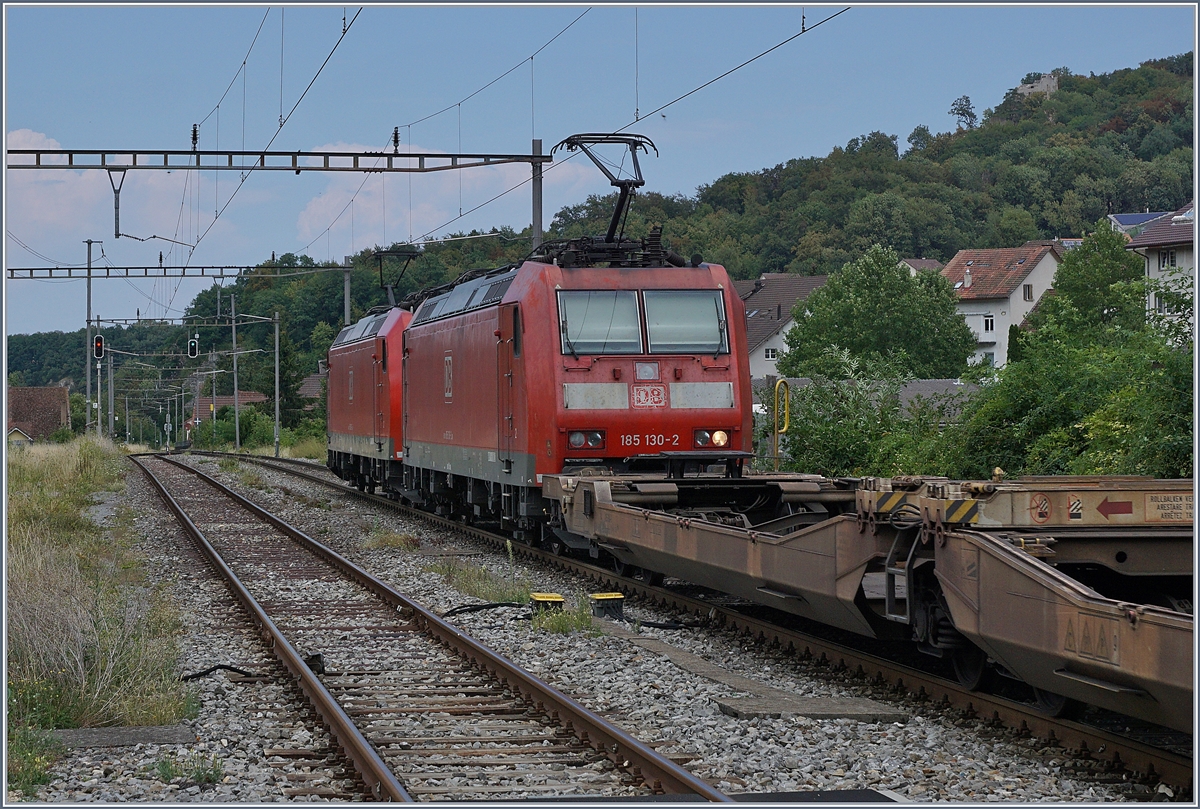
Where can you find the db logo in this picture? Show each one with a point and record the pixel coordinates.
(649, 396)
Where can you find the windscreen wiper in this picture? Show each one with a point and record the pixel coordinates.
(567, 339)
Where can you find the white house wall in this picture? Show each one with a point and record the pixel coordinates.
(1184, 257)
(760, 366)
(1005, 311)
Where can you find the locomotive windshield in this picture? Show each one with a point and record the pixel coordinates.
(599, 322)
(685, 321)
(677, 321)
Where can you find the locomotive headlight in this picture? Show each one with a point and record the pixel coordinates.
(576, 439)
(595, 439)
(720, 438)
(646, 370)
(703, 438)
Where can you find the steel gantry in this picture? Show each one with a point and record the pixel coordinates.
(118, 161)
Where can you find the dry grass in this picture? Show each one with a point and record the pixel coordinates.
(254, 480)
(310, 447)
(564, 621)
(314, 448)
(480, 582)
(381, 538)
(90, 641)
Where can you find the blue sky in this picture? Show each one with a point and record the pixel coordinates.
(135, 77)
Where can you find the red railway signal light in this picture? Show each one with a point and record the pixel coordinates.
(98, 347)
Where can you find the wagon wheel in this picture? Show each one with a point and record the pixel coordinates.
(1057, 705)
(556, 546)
(621, 568)
(648, 577)
(971, 668)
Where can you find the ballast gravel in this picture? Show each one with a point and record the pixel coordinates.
(934, 756)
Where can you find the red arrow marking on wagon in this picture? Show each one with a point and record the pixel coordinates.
(1115, 507)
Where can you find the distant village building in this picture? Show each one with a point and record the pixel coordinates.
(39, 412)
(310, 387)
(929, 390)
(916, 265)
(16, 436)
(205, 408)
(1047, 84)
(1167, 244)
(769, 302)
(997, 288)
(1131, 224)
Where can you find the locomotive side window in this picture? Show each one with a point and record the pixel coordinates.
(599, 322)
(686, 321)
(516, 332)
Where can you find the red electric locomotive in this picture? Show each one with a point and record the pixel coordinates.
(608, 353)
(363, 388)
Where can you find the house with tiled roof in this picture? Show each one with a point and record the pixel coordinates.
(311, 388)
(769, 302)
(17, 437)
(1131, 224)
(204, 406)
(39, 412)
(916, 265)
(997, 288)
(1166, 244)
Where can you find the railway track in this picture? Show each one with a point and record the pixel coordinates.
(1112, 752)
(419, 710)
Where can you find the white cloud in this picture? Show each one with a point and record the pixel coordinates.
(28, 139)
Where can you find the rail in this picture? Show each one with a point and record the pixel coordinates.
(656, 770)
(1116, 750)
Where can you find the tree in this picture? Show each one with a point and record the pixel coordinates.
(964, 111)
(1097, 285)
(878, 312)
(920, 138)
(1095, 388)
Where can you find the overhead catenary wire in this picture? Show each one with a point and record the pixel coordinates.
(282, 123)
(457, 105)
(409, 132)
(235, 75)
(553, 166)
(449, 107)
(29, 249)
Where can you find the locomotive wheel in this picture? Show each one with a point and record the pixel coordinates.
(971, 668)
(1057, 705)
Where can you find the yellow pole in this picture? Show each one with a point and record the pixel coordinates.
(787, 417)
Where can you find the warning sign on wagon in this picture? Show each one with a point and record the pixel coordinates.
(1169, 507)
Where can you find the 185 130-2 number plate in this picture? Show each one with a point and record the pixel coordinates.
(649, 440)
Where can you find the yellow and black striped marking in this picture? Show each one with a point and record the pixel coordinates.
(957, 511)
(890, 501)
